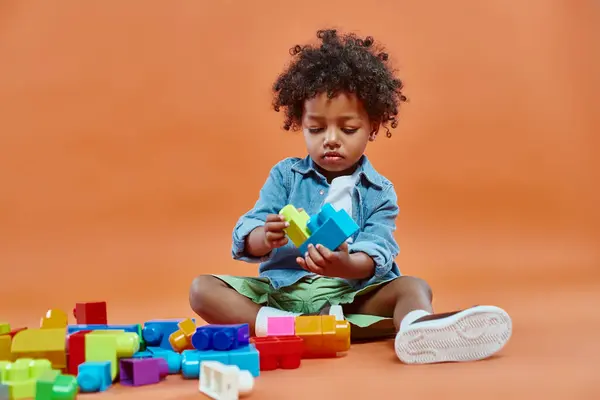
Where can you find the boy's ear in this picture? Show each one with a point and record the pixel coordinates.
(374, 131)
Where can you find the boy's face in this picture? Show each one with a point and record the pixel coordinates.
(336, 132)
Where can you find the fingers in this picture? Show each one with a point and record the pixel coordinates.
(312, 267)
(343, 247)
(315, 256)
(327, 254)
(274, 235)
(275, 223)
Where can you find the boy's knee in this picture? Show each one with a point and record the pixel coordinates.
(411, 286)
(202, 290)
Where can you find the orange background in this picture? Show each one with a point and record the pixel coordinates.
(134, 134)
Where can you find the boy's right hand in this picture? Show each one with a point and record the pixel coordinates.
(274, 235)
(268, 237)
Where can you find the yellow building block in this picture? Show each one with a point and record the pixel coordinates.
(5, 353)
(54, 319)
(111, 345)
(4, 328)
(309, 328)
(182, 339)
(47, 343)
(336, 334)
(298, 231)
(323, 336)
(21, 376)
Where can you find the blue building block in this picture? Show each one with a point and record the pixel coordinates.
(4, 392)
(329, 228)
(246, 358)
(94, 376)
(191, 359)
(172, 358)
(143, 354)
(221, 337)
(156, 333)
(135, 328)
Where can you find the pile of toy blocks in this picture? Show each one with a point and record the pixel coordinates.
(58, 360)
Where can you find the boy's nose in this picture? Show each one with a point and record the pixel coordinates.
(331, 139)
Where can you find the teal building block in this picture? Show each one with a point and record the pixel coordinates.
(246, 358)
(191, 359)
(329, 228)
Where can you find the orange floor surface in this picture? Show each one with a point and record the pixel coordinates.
(134, 134)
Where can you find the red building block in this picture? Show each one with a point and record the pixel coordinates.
(76, 348)
(283, 352)
(90, 313)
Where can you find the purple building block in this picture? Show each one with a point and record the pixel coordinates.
(221, 337)
(142, 371)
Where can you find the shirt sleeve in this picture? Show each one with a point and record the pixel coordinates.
(272, 198)
(377, 237)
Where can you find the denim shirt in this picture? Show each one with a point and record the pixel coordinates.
(295, 181)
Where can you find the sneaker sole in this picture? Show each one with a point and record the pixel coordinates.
(469, 335)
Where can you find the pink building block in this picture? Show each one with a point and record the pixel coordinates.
(281, 326)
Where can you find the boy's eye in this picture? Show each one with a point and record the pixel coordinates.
(315, 130)
(350, 130)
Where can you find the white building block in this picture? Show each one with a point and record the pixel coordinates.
(224, 382)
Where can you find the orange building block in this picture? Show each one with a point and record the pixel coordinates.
(47, 343)
(182, 339)
(323, 336)
(54, 319)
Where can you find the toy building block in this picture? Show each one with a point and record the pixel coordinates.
(156, 333)
(21, 376)
(143, 354)
(134, 328)
(297, 232)
(172, 358)
(45, 384)
(54, 319)
(281, 326)
(329, 228)
(224, 382)
(94, 376)
(246, 358)
(53, 385)
(191, 359)
(181, 339)
(5, 344)
(110, 346)
(143, 371)
(76, 346)
(15, 331)
(323, 335)
(93, 313)
(283, 352)
(4, 328)
(47, 343)
(4, 392)
(221, 337)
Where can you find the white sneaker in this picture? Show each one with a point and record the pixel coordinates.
(467, 335)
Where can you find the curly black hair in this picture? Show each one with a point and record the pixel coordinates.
(342, 63)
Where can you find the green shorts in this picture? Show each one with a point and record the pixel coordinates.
(310, 295)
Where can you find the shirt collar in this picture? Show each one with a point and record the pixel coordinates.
(365, 169)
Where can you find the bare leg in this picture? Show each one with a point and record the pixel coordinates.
(396, 299)
(217, 303)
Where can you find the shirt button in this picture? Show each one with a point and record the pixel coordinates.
(321, 192)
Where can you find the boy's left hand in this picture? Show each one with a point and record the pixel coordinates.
(322, 261)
